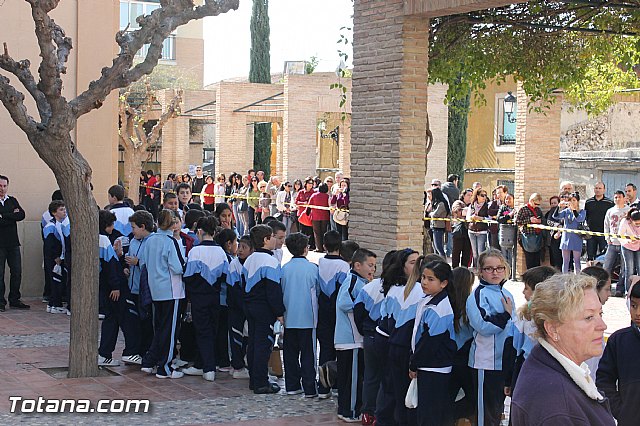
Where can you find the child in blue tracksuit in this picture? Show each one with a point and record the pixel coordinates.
(300, 287)
(237, 317)
(206, 271)
(228, 240)
(142, 226)
(348, 340)
(164, 264)
(57, 254)
(397, 321)
(490, 310)
(122, 210)
(120, 313)
(261, 274)
(333, 270)
(433, 345)
(367, 314)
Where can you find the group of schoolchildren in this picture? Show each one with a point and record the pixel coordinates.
(420, 320)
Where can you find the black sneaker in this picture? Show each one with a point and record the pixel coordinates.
(19, 305)
(2, 308)
(271, 388)
(327, 374)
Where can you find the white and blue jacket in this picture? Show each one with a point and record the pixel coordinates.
(111, 275)
(332, 270)
(261, 275)
(523, 336)
(300, 291)
(492, 346)
(57, 240)
(367, 307)
(399, 314)
(136, 250)
(123, 212)
(206, 271)
(433, 343)
(347, 335)
(163, 265)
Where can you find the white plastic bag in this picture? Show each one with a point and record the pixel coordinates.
(411, 400)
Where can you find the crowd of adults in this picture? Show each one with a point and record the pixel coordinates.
(488, 218)
(311, 206)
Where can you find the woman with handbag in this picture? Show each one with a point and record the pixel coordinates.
(320, 215)
(530, 238)
(461, 251)
(440, 210)
(284, 205)
(571, 243)
(478, 231)
(341, 216)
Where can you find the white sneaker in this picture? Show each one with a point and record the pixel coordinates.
(107, 362)
(178, 363)
(351, 419)
(295, 392)
(55, 310)
(241, 374)
(48, 309)
(192, 371)
(68, 312)
(324, 395)
(225, 369)
(175, 374)
(132, 359)
(209, 376)
(100, 316)
(149, 370)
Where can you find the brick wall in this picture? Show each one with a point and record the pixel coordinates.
(388, 125)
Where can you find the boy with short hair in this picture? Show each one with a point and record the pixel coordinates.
(116, 309)
(122, 211)
(332, 272)
(347, 249)
(261, 276)
(348, 340)
(170, 202)
(618, 375)
(184, 195)
(191, 219)
(300, 287)
(57, 252)
(237, 318)
(279, 233)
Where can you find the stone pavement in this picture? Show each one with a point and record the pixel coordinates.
(34, 340)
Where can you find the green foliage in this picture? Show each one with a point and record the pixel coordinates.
(311, 65)
(584, 48)
(457, 143)
(260, 65)
(260, 72)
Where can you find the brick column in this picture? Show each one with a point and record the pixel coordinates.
(388, 125)
(537, 155)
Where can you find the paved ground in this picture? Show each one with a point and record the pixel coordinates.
(33, 340)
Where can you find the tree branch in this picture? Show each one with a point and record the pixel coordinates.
(23, 73)
(173, 110)
(154, 28)
(13, 101)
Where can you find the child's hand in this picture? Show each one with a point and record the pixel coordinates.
(126, 272)
(281, 319)
(117, 246)
(131, 260)
(508, 305)
(413, 374)
(57, 260)
(114, 295)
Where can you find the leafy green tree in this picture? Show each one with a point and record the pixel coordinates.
(457, 141)
(260, 72)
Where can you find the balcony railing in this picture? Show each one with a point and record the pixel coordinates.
(168, 49)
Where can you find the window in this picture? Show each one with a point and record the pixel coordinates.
(130, 10)
(509, 184)
(506, 127)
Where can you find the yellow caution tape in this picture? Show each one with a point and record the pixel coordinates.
(448, 219)
(582, 232)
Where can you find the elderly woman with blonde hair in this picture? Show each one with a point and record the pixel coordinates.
(554, 386)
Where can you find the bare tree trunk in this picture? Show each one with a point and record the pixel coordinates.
(133, 159)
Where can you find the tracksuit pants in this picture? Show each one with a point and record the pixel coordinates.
(434, 405)
(462, 378)
(325, 333)
(399, 369)
(350, 374)
(374, 359)
(489, 388)
(166, 321)
(260, 344)
(120, 315)
(300, 360)
(385, 401)
(236, 318)
(222, 337)
(204, 313)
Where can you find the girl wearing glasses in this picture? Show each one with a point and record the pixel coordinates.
(478, 210)
(490, 309)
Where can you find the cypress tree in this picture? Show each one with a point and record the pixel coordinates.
(457, 142)
(260, 72)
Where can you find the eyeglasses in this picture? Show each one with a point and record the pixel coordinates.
(289, 186)
(489, 269)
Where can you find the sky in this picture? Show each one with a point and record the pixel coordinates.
(300, 29)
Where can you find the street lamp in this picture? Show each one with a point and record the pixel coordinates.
(510, 103)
